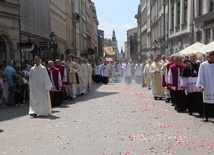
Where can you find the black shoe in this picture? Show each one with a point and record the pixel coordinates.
(70, 98)
(190, 113)
(160, 98)
(33, 115)
(200, 114)
(167, 100)
(155, 98)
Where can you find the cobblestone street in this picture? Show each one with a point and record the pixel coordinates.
(111, 119)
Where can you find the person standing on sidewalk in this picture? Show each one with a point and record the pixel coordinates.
(19, 85)
(40, 85)
(9, 71)
(204, 83)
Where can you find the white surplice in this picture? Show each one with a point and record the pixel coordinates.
(117, 69)
(205, 80)
(40, 85)
(138, 69)
(105, 70)
(97, 70)
(127, 69)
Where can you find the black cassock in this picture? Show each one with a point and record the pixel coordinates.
(194, 99)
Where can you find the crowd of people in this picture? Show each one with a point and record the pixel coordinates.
(47, 85)
(185, 82)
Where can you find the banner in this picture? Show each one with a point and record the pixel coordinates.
(109, 50)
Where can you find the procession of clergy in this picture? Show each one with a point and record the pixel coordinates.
(185, 82)
(50, 85)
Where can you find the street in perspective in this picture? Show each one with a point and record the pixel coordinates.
(106, 77)
(111, 119)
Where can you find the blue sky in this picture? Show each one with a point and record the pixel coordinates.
(116, 15)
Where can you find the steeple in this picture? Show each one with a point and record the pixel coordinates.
(114, 36)
(121, 50)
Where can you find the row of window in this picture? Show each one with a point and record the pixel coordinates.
(178, 3)
(185, 7)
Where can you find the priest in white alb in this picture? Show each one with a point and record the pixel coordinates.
(127, 72)
(40, 85)
(138, 72)
(205, 84)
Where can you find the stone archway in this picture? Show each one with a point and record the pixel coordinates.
(5, 49)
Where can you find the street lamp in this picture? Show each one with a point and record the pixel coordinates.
(53, 45)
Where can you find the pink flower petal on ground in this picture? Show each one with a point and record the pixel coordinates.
(127, 153)
(132, 138)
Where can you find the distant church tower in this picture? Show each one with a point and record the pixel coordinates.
(121, 51)
(114, 45)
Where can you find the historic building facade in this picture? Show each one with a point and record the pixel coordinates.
(9, 30)
(132, 44)
(59, 28)
(203, 21)
(100, 43)
(58, 23)
(172, 25)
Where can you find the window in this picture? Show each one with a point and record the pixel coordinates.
(200, 7)
(199, 36)
(173, 14)
(179, 12)
(208, 36)
(160, 4)
(211, 5)
(185, 11)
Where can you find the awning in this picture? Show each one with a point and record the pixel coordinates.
(208, 48)
(194, 48)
